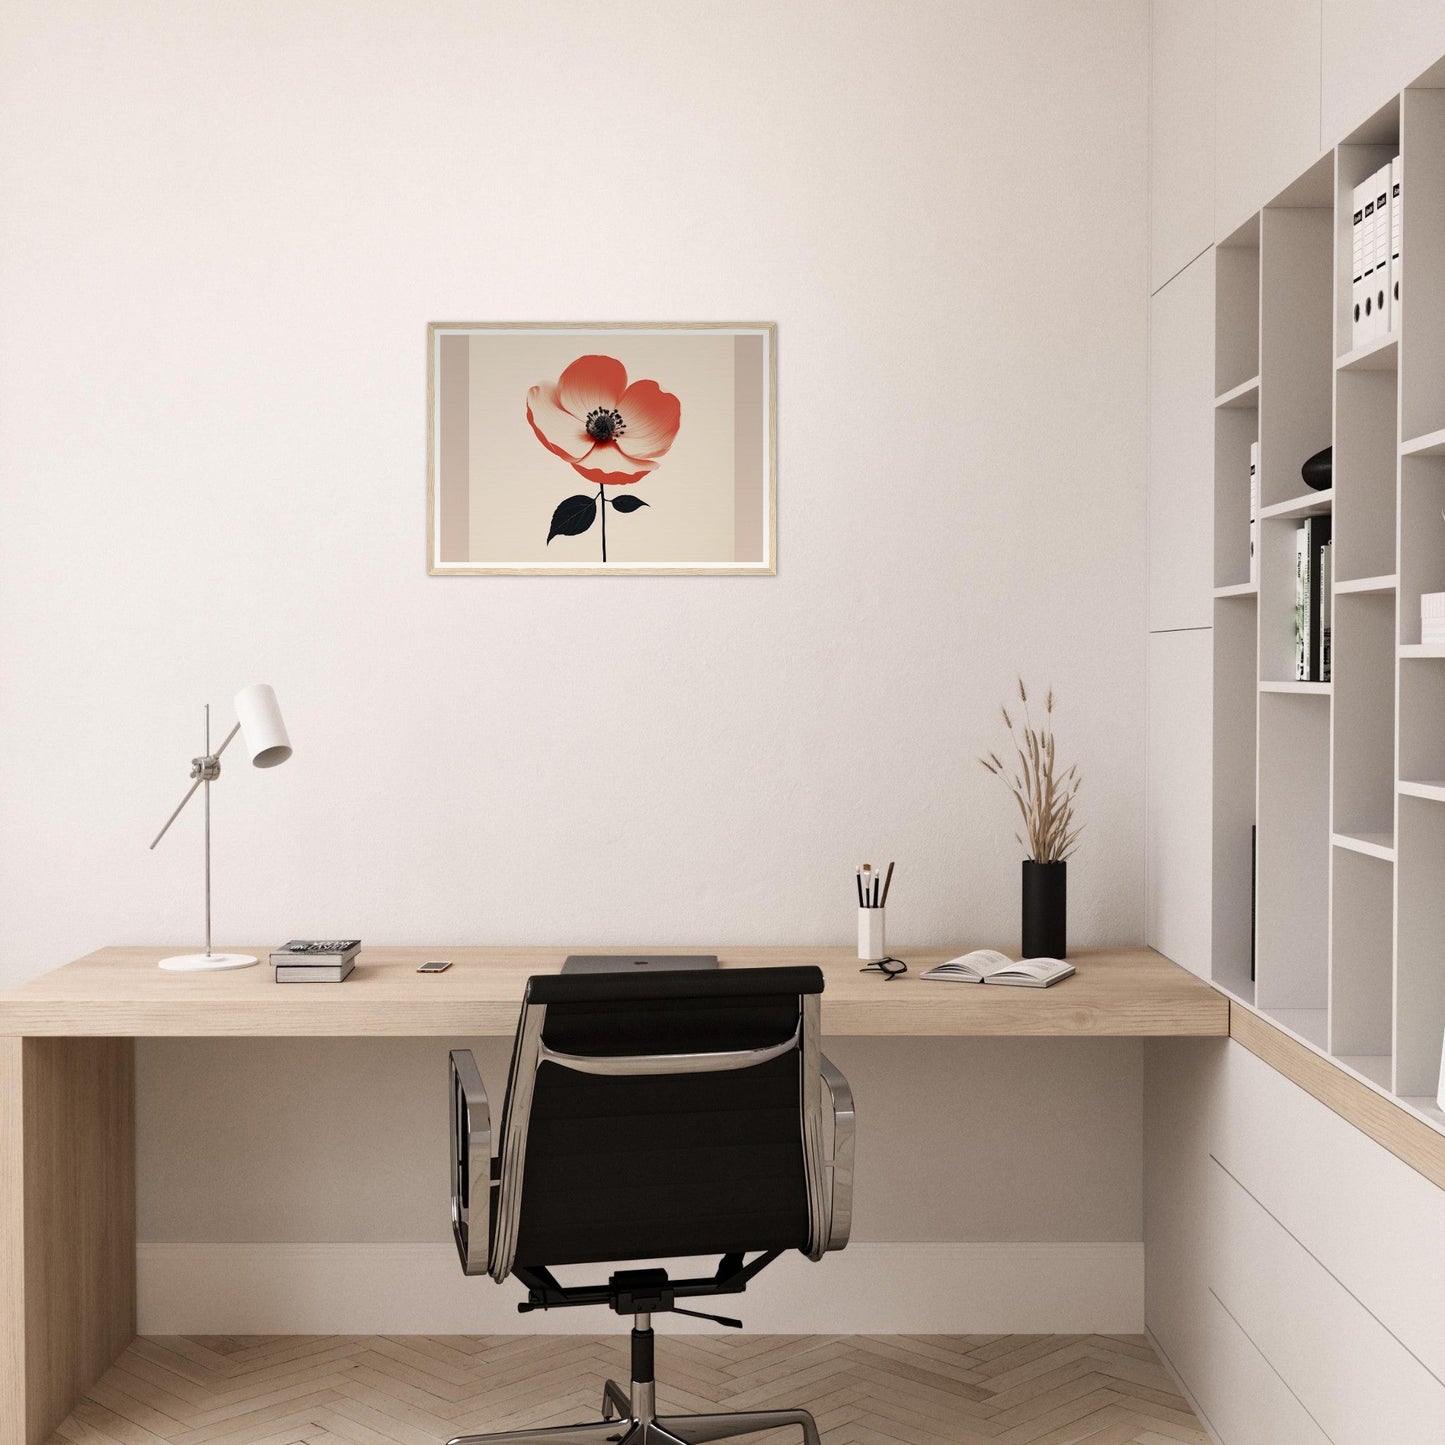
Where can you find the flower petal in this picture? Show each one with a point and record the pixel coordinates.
(608, 467)
(590, 382)
(652, 416)
(558, 430)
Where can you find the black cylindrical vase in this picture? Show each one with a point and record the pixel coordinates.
(1046, 909)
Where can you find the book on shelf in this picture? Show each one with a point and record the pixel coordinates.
(1301, 605)
(1326, 606)
(988, 965)
(1254, 513)
(1432, 617)
(316, 952)
(1310, 609)
(314, 972)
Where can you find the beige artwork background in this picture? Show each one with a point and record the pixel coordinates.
(515, 483)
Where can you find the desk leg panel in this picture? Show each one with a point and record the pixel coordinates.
(67, 1211)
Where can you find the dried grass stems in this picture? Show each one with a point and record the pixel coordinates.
(1044, 795)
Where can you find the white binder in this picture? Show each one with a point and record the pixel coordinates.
(1254, 513)
(1367, 314)
(1396, 224)
(1381, 291)
(1357, 266)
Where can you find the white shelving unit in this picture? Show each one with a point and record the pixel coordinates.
(1335, 789)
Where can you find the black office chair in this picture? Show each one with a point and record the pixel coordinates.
(650, 1117)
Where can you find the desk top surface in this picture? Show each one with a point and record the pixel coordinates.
(1117, 992)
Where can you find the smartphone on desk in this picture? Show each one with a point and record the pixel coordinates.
(435, 965)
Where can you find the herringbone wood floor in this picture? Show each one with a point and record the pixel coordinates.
(420, 1390)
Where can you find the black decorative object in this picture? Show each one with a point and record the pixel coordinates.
(1046, 908)
(1319, 471)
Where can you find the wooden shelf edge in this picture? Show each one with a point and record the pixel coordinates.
(1391, 1124)
(1238, 589)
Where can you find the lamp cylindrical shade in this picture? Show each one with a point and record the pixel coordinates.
(262, 730)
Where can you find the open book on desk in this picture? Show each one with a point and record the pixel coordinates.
(987, 965)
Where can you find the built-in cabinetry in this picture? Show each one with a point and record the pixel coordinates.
(1328, 804)
(1295, 1278)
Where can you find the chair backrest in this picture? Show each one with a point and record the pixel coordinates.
(669, 1114)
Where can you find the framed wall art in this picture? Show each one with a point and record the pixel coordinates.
(601, 447)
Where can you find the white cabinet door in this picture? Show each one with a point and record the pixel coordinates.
(1178, 813)
(1181, 450)
(1371, 49)
(1181, 135)
(1266, 102)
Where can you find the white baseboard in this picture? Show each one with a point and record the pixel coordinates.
(350, 1289)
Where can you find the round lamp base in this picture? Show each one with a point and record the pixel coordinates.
(206, 962)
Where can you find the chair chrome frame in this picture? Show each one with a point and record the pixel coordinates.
(486, 1211)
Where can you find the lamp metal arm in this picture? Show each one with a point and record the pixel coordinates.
(204, 770)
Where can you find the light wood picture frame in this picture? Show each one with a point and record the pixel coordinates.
(593, 448)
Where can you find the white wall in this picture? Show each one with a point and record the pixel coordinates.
(226, 230)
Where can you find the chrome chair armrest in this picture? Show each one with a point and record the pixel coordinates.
(840, 1165)
(471, 1120)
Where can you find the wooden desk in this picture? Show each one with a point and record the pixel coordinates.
(67, 1185)
(119, 992)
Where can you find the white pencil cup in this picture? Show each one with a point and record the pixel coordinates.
(871, 945)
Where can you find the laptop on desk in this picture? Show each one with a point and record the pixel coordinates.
(637, 962)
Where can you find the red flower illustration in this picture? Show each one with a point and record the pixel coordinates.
(612, 433)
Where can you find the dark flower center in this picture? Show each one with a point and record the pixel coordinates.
(604, 424)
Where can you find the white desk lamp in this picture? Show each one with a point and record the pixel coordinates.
(258, 720)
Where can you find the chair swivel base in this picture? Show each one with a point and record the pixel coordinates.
(629, 1420)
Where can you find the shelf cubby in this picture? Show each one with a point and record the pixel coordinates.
(1422, 537)
(1373, 145)
(1292, 943)
(1296, 331)
(1422, 724)
(1236, 301)
(1363, 686)
(1236, 625)
(1276, 601)
(1235, 430)
(1365, 461)
(1362, 956)
(1422, 251)
(1420, 960)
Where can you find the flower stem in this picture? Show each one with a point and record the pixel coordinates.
(602, 502)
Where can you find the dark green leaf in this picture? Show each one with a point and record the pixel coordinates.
(573, 516)
(627, 502)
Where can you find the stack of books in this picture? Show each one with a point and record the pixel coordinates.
(315, 960)
(1432, 618)
(1313, 592)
